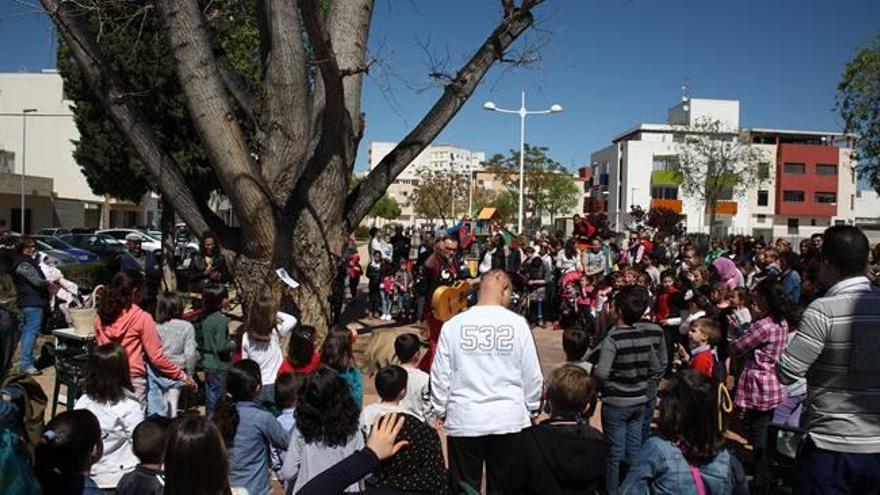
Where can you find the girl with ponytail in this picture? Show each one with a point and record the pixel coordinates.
(687, 455)
(70, 445)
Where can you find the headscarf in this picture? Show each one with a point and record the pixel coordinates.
(727, 270)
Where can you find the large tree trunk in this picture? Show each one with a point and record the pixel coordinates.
(289, 191)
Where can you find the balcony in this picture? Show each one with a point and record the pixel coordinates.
(724, 208)
(666, 178)
(669, 204)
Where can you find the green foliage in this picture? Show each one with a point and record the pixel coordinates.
(507, 205)
(88, 275)
(386, 208)
(134, 45)
(713, 159)
(439, 191)
(561, 194)
(539, 169)
(858, 101)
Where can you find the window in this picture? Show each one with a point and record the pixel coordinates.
(795, 168)
(792, 226)
(764, 170)
(763, 198)
(660, 192)
(852, 201)
(762, 218)
(793, 196)
(664, 162)
(840, 222)
(726, 194)
(826, 198)
(823, 169)
(852, 174)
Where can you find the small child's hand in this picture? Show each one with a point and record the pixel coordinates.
(681, 351)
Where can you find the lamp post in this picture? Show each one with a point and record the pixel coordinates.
(24, 114)
(522, 112)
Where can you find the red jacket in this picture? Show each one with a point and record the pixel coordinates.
(287, 366)
(135, 330)
(704, 363)
(661, 308)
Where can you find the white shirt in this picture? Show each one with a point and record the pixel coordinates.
(486, 377)
(371, 413)
(267, 353)
(416, 401)
(117, 422)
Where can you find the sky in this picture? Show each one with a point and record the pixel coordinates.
(611, 64)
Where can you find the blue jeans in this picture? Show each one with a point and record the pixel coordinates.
(215, 382)
(818, 471)
(539, 309)
(386, 302)
(156, 386)
(649, 410)
(404, 303)
(33, 322)
(622, 427)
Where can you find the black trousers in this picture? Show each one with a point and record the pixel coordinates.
(467, 455)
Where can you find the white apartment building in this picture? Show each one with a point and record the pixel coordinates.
(434, 157)
(809, 177)
(37, 101)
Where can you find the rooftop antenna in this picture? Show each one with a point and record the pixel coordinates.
(686, 93)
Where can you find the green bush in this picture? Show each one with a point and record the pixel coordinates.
(88, 275)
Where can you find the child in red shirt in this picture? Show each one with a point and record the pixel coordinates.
(703, 335)
(663, 308)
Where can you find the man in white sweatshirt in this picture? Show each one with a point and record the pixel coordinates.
(485, 386)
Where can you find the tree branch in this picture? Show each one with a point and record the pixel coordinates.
(214, 119)
(236, 86)
(454, 96)
(131, 123)
(286, 96)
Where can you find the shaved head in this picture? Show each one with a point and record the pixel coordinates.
(495, 288)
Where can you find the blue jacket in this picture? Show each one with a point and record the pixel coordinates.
(352, 377)
(249, 450)
(661, 469)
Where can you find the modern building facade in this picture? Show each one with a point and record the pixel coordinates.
(808, 177)
(36, 102)
(434, 157)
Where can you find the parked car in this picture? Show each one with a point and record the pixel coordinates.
(83, 230)
(81, 255)
(53, 232)
(105, 247)
(55, 257)
(147, 243)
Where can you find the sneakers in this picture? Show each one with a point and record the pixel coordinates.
(32, 372)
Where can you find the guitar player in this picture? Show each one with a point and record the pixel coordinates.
(440, 269)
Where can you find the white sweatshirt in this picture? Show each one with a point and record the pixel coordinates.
(267, 353)
(486, 377)
(117, 425)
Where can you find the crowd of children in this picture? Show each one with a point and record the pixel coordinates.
(662, 333)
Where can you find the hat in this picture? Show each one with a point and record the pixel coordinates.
(133, 237)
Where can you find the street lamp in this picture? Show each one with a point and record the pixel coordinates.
(24, 114)
(522, 112)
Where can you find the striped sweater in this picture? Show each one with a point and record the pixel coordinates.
(631, 361)
(836, 347)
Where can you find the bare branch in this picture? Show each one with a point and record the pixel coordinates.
(454, 96)
(131, 123)
(214, 119)
(509, 8)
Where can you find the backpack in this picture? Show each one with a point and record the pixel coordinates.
(33, 409)
(719, 371)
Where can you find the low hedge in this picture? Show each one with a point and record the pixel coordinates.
(88, 275)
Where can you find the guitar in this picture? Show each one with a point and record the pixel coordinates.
(449, 300)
